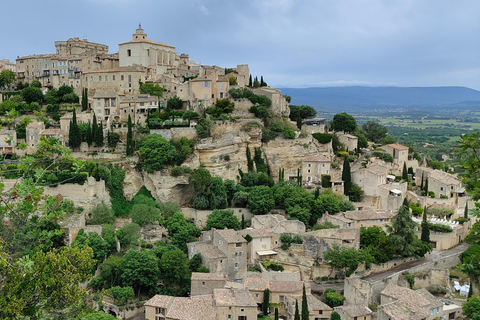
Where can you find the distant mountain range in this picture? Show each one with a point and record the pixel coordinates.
(353, 98)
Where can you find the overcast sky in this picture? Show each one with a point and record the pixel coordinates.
(292, 43)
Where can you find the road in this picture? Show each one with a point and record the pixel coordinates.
(383, 275)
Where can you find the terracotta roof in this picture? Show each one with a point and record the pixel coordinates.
(287, 286)
(51, 132)
(377, 169)
(230, 235)
(397, 146)
(400, 310)
(256, 284)
(411, 297)
(368, 214)
(256, 233)
(233, 297)
(209, 251)
(316, 158)
(105, 94)
(199, 276)
(160, 301)
(313, 303)
(35, 124)
(147, 41)
(355, 310)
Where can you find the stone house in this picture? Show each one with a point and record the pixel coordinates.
(317, 309)
(6, 64)
(359, 218)
(441, 183)
(234, 303)
(445, 241)
(350, 141)
(313, 167)
(314, 125)
(123, 80)
(279, 103)
(370, 178)
(399, 303)
(8, 141)
(263, 241)
(222, 251)
(398, 152)
(204, 283)
(279, 290)
(138, 107)
(33, 131)
(354, 312)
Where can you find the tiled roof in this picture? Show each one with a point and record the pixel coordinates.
(6, 131)
(117, 69)
(355, 310)
(233, 297)
(313, 303)
(148, 41)
(316, 158)
(256, 233)
(199, 276)
(368, 214)
(160, 301)
(287, 286)
(105, 94)
(346, 135)
(209, 251)
(333, 234)
(411, 297)
(49, 132)
(397, 146)
(35, 124)
(256, 283)
(377, 169)
(400, 310)
(443, 177)
(195, 308)
(230, 235)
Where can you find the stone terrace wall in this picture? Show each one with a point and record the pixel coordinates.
(200, 216)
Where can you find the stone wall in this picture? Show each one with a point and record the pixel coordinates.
(176, 133)
(278, 224)
(200, 216)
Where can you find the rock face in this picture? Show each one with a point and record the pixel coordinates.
(288, 154)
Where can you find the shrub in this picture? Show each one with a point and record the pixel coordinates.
(333, 298)
(323, 137)
(437, 227)
(326, 225)
(461, 220)
(101, 214)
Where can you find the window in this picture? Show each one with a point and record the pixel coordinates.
(242, 317)
(281, 298)
(206, 84)
(113, 78)
(203, 283)
(308, 170)
(325, 248)
(121, 77)
(441, 188)
(99, 78)
(129, 78)
(235, 264)
(242, 310)
(229, 316)
(159, 318)
(106, 78)
(221, 85)
(309, 165)
(238, 244)
(160, 310)
(129, 53)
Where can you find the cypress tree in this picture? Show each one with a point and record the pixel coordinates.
(299, 122)
(266, 301)
(421, 185)
(426, 187)
(74, 138)
(249, 160)
(94, 128)
(346, 177)
(243, 221)
(85, 99)
(305, 312)
(405, 202)
(89, 135)
(297, 313)
(470, 290)
(276, 314)
(99, 135)
(130, 148)
(317, 193)
(404, 172)
(425, 237)
(250, 82)
(465, 212)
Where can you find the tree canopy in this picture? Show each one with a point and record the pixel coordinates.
(302, 111)
(344, 122)
(155, 153)
(374, 131)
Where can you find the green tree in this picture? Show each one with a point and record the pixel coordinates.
(195, 262)
(143, 214)
(374, 131)
(155, 153)
(7, 77)
(465, 211)
(99, 135)
(425, 237)
(250, 82)
(174, 267)
(101, 214)
(201, 179)
(260, 200)
(220, 219)
(121, 295)
(342, 258)
(259, 162)
(152, 89)
(362, 139)
(74, 138)
(32, 94)
(276, 314)
(404, 172)
(32, 286)
(97, 315)
(302, 111)
(344, 122)
(217, 194)
(470, 259)
(85, 99)
(111, 270)
(266, 302)
(471, 308)
(376, 241)
(403, 237)
(174, 103)
(129, 234)
(346, 177)
(297, 312)
(335, 316)
(305, 312)
(130, 147)
(355, 193)
(333, 298)
(140, 269)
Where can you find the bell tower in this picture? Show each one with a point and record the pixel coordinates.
(139, 34)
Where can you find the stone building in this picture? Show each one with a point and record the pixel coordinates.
(222, 251)
(398, 303)
(370, 178)
(350, 141)
(443, 184)
(204, 283)
(354, 312)
(279, 103)
(360, 218)
(155, 56)
(316, 308)
(5, 64)
(8, 141)
(261, 245)
(398, 152)
(123, 80)
(180, 308)
(313, 167)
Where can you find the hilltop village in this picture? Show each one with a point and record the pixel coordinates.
(181, 191)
